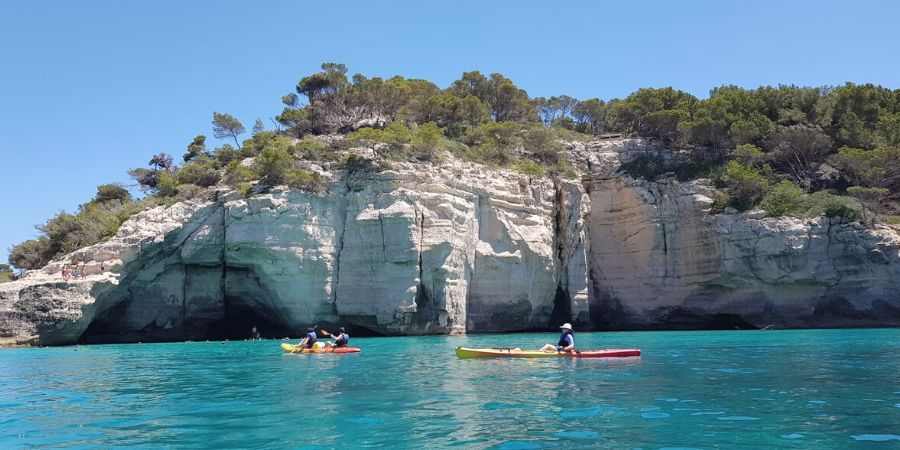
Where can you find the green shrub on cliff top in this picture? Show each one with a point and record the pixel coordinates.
(95, 221)
(394, 137)
(745, 185)
(226, 154)
(870, 200)
(167, 186)
(272, 165)
(721, 200)
(824, 203)
(6, 273)
(259, 141)
(112, 192)
(782, 199)
(202, 172)
(542, 145)
(306, 180)
(245, 189)
(529, 167)
(426, 141)
(236, 173)
(313, 149)
(32, 254)
(275, 165)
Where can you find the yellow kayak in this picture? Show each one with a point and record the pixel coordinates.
(463, 352)
(291, 348)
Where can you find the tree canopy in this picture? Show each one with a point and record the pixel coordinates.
(789, 149)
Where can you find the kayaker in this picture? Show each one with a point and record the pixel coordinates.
(566, 341)
(310, 340)
(342, 339)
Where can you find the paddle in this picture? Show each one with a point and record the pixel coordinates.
(297, 347)
(326, 333)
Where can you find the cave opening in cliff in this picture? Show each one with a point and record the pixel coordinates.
(685, 319)
(562, 308)
(242, 315)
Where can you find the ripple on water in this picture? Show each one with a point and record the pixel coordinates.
(363, 421)
(792, 436)
(590, 412)
(654, 415)
(547, 375)
(738, 418)
(708, 413)
(817, 402)
(576, 434)
(518, 445)
(876, 437)
(495, 406)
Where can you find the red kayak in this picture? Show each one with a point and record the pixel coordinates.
(463, 352)
(291, 348)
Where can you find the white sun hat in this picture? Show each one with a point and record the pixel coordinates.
(567, 326)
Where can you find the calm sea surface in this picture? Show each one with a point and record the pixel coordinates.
(731, 389)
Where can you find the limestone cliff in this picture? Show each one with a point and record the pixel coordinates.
(658, 259)
(424, 249)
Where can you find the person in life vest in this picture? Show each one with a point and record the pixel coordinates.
(342, 339)
(566, 341)
(310, 340)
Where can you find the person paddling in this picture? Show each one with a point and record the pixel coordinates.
(310, 340)
(566, 341)
(342, 339)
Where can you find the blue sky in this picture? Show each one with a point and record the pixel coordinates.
(90, 89)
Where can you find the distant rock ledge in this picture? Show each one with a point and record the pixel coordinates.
(460, 248)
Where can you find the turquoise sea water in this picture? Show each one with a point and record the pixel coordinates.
(731, 389)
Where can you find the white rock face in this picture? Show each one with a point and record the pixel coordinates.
(140, 261)
(651, 245)
(416, 250)
(421, 249)
(659, 260)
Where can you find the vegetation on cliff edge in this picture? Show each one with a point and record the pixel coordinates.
(790, 150)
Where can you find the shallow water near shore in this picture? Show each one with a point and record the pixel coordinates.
(734, 389)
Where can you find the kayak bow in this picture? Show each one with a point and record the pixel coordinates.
(463, 352)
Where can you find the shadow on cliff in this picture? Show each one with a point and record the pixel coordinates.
(176, 289)
(185, 288)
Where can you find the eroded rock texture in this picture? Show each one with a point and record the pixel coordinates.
(460, 248)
